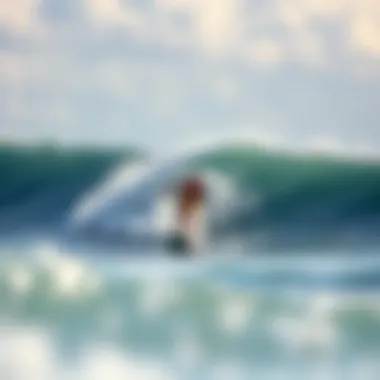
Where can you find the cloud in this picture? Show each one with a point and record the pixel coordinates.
(308, 48)
(265, 52)
(111, 13)
(21, 17)
(11, 69)
(19, 70)
(227, 88)
(358, 22)
(166, 68)
(174, 5)
(291, 14)
(224, 28)
(365, 35)
(114, 77)
(278, 31)
(215, 24)
(324, 8)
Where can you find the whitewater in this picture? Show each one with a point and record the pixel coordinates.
(289, 289)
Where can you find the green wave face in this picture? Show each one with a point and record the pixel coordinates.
(301, 197)
(39, 184)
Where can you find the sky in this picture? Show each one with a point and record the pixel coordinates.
(160, 72)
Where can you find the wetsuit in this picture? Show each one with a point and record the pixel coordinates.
(192, 196)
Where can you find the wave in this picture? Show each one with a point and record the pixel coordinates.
(307, 198)
(40, 184)
(304, 199)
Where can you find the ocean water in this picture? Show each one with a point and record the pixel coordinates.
(298, 300)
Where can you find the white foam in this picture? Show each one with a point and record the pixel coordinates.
(30, 353)
(300, 332)
(69, 277)
(159, 296)
(26, 354)
(21, 278)
(120, 180)
(235, 315)
(108, 362)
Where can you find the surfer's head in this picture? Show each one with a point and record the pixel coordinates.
(193, 188)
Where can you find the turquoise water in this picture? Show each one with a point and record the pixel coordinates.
(295, 294)
(66, 315)
(304, 200)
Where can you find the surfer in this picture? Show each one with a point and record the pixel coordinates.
(191, 199)
(190, 205)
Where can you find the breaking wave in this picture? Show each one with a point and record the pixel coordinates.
(304, 199)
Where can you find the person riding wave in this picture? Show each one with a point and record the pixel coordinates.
(191, 199)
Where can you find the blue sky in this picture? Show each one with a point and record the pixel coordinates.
(162, 72)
